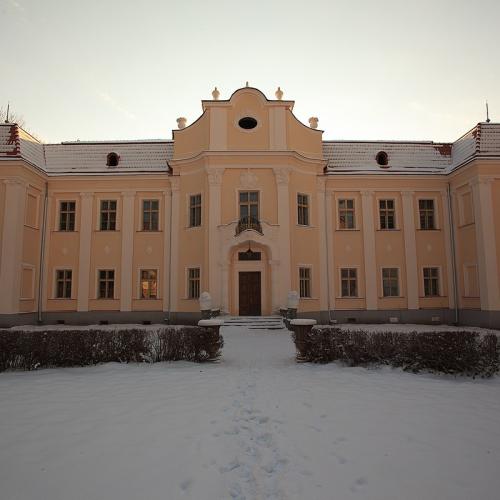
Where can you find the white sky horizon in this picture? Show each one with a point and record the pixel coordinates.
(119, 70)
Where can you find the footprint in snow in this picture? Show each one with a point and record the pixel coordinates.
(358, 483)
(186, 484)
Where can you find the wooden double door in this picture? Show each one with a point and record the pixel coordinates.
(250, 293)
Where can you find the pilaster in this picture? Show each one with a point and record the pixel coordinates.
(12, 245)
(369, 250)
(166, 248)
(448, 248)
(84, 252)
(323, 264)
(330, 254)
(127, 272)
(410, 249)
(174, 259)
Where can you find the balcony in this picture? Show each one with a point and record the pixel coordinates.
(248, 222)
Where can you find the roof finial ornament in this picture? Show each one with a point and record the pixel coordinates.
(487, 113)
(215, 94)
(279, 94)
(181, 122)
(247, 84)
(313, 122)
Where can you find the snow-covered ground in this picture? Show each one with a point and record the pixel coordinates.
(254, 426)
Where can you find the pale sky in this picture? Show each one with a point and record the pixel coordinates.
(120, 69)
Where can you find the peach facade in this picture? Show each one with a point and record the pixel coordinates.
(248, 204)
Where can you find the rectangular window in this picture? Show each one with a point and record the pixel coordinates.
(349, 282)
(387, 214)
(431, 281)
(194, 283)
(106, 284)
(195, 210)
(108, 215)
(150, 215)
(67, 215)
(63, 283)
(303, 209)
(149, 284)
(249, 206)
(305, 281)
(426, 212)
(390, 282)
(346, 214)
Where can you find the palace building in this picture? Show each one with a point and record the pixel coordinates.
(248, 204)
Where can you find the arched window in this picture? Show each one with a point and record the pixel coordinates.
(382, 159)
(112, 160)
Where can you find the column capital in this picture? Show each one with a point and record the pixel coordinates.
(175, 183)
(86, 194)
(282, 175)
(128, 194)
(321, 184)
(407, 194)
(15, 181)
(367, 193)
(481, 181)
(215, 176)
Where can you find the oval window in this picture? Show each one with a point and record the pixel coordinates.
(382, 158)
(247, 123)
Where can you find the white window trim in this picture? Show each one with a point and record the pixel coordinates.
(311, 281)
(158, 281)
(54, 282)
(58, 201)
(24, 266)
(244, 190)
(397, 212)
(97, 282)
(188, 206)
(339, 278)
(309, 208)
(161, 201)
(101, 197)
(382, 296)
(437, 224)
(186, 281)
(338, 198)
(440, 281)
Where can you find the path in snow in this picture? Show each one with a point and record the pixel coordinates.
(254, 426)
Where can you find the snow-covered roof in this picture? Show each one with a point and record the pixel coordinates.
(342, 156)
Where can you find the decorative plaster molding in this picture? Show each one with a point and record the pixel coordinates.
(215, 176)
(321, 184)
(128, 194)
(86, 194)
(175, 183)
(407, 194)
(282, 175)
(15, 182)
(248, 180)
(367, 193)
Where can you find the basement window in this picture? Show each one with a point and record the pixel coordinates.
(382, 158)
(247, 123)
(112, 160)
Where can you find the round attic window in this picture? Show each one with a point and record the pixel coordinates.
(382, 158)
(247, 123)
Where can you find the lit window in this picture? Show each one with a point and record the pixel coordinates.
(349, 285)
(194, 283)
(108, 215)
(390, 282)
(431, 281)
(63, 283)
(305, 282)
(67, 216)
(346, 214)
(150, 215)
(149, 284)
(426, 209)
(106, 284)
(387, 214)
(195, 210)
(303, 209)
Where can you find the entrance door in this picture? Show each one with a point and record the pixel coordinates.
(249, 293)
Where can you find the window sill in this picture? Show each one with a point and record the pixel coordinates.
(190, 228)
(309, 298)
(64, 231)
(350, 298)
(62, 298)
(389, 230)
(393, 297)
(432, 296)
(149, 231)
(146, 299)
(429, 230)
(348, 230)
(106, 230)
(306, 226)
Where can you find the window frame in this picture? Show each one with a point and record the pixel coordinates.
(140, 289)
(306, 209)
(142, 201)
(239, 203)
(398, 283)
(98, 284)
(56, 282)
(194, 207)
(394, 209)
(100, 201)
(60, 213)
(341, 279)
(308, 280)
(435, 213)
(189, 280)
(341, 210)
(437, 277)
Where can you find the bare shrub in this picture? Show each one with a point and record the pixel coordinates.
(453, 352)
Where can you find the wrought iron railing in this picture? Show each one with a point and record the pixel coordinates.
(248, 222)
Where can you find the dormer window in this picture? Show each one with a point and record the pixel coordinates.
(382, 158)
(112, 159)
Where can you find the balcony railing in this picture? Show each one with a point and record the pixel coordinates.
(248, 222)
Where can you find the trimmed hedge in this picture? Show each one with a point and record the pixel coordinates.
(32, 349)
(452, 352)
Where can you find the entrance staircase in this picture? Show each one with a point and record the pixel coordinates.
(256, 322)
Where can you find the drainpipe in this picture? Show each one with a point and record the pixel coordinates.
(42, 254)
(170, 259)
(453, 254)
(327, 258)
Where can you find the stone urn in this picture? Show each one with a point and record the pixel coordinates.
(205, 305)
(181, 122)
(279, 94)
(215, 94)
(301, 329)
(212, 328)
